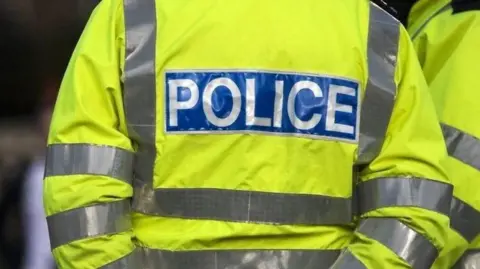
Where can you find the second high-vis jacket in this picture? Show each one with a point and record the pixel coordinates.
(209, 134)
(446, 35)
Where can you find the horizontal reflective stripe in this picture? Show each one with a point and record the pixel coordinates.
(465, 219)
(85, 159)
(346, 260)
(133, 260)
(469, 260)
(462, 146)
(409, 245)
(402, 191)
(243, 206)
(223, 259)
(95, 220)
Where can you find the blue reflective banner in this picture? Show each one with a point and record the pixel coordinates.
(278, 103)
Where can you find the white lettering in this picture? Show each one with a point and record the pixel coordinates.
(193, 107)
(297, 122)
(174, 104)
(251, 119)
(333, 107)
(278, 105)
(208, 106)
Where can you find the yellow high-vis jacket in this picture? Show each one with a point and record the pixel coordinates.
(446, 36)
(208, 134)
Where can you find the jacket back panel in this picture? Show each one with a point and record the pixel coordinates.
(321, 42)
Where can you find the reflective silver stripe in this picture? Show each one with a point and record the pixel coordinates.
(140, 85)
(465, 219)
(222, 259)
(462, 146)
(85, 159)
(409, 245)
(403, 191)
(95, 220)
(346, 260)
(133, 260)
(469, 260)
(256, 259)
(377, 105)
(245, 206)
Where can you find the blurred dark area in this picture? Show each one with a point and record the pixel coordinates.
(402, 8)
(37, 38)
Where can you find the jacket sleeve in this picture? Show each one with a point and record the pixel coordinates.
(88, 173)
(454, 84)
(403, 193)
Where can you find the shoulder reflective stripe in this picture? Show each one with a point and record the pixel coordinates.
(465, 219)
(346, 260)
(245, 206)
(83, 159)
(133, 260)
(377, 105)
(469, 260)
(89, 221)
(403, 191)
(462, 146)
(140, 83)
(409, 245)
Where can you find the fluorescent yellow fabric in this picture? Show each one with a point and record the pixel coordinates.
(90, 110)
(409, 140)
(448, 49)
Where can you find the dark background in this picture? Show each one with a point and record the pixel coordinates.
(37, 38)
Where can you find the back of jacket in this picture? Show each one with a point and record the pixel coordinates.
(232, 128)
(446, 35)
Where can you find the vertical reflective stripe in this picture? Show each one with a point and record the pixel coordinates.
(346, 260)
(469, 260)
(404, 191)
(140, 85)
(409, 245)
(85, 159)
(377, 105)
(133, 260)
(462, 146)
(465, 219)
(84, 222)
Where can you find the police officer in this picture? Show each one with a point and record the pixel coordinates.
(446, 35)
(222, 134)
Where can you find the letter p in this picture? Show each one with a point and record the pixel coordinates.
(173, 92)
